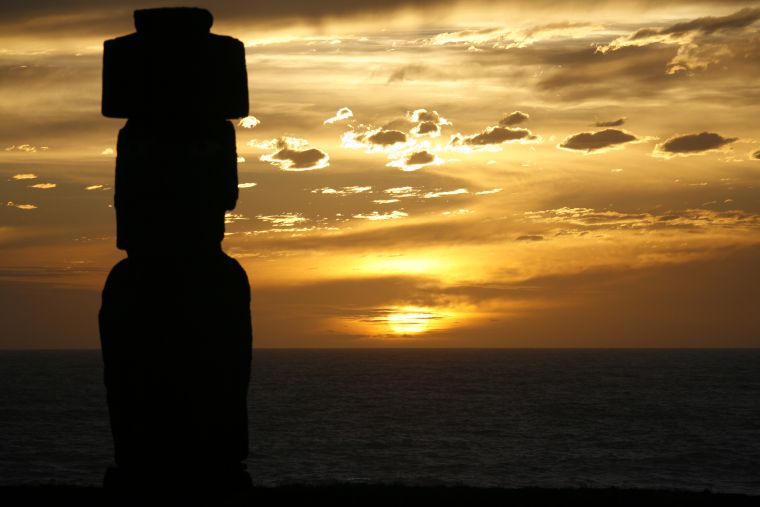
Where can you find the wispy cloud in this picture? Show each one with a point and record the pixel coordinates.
(610, 123)
(342, 114)
(699, 43)
(284, 219)
(342, 190)
(26, 148)
(377, 215)
(25, 207)
(489, 191)
(433, 195)
(249, 122)
(500, 38)
(402, 191)
(231, 217)
(590, 218)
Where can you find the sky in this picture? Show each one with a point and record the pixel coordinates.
(420, 173)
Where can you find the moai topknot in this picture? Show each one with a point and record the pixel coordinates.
(175, 321)
(176, 167)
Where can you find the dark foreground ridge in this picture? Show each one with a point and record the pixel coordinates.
(387, 495)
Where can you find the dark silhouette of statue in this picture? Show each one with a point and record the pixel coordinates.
(175, 320)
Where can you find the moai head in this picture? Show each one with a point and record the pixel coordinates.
(174, 66)
(178, 85)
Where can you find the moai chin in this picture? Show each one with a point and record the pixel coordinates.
(175, 318)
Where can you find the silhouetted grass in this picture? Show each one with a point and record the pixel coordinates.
(397, 495)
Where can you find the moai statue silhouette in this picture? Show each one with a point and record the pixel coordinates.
(175, 321)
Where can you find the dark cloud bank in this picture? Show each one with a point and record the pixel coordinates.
(612, 123)
(386, 137)
(514, 119)
(595, 141)
(695, 143)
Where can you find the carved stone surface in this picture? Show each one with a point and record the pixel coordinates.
(175, 320)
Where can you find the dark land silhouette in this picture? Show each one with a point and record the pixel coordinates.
(393, 495)
(175, 320)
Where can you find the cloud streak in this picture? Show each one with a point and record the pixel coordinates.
(446, 193)
(699, 42)
(342, 191)
(283, 220)
(612, 123)
(593, 219)
(498, 38)
(21, 206)
(377, 215)
(26, 148)
(342, 114)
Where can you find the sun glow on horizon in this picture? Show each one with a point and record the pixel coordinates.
(408, 320)
(402, 264)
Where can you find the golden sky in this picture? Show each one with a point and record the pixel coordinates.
(423, 174)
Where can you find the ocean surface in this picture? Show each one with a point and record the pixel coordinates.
(676, 419)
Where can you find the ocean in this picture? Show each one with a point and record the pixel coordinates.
(673, 419)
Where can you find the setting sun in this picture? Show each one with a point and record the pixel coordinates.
(410, 320)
